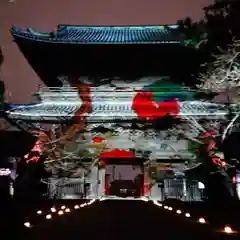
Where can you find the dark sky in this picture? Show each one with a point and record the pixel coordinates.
(44, 15)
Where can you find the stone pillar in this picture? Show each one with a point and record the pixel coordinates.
(101, 182)
(157, 192)
(93, 182)
(185, 193)
(97, 182)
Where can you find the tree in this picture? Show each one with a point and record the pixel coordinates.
(1, 57)
(69, 151)
(223, 74)
(218, 27)
(222, 77)
(212, 34)
(194, 33)
(2, 85)
(217, 37)
(58, 147)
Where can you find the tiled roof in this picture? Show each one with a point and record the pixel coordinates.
(104, 34)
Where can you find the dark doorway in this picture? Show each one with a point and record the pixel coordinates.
(124, 177)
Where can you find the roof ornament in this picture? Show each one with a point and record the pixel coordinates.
(85, 79)
(64, 80)
(61, 30)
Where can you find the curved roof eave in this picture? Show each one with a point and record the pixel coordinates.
(103, 34)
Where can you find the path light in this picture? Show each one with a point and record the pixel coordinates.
(201, 220)
(67, 210)
(144, 199)
(49, 216)
(170, 208)
(102, 199)
(60, 212)
(187, 215)
(91, 202)
(165, 207)
(53, 209)
(178, 211)
(155, 202)
(27, 224)
(228, 229)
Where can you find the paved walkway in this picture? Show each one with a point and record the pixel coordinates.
(121, 220)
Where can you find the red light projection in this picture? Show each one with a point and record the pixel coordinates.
(84, 93)
(98, 139)
(37, 150)
(117, 153)
(146, 108)
(216, 156)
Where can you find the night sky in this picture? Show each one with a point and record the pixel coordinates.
(44, 15)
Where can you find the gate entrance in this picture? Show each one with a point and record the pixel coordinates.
(124, 177)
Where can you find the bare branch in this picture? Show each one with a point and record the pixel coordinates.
(229, 126)
(224, 73)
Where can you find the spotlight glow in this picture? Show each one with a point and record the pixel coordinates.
(170, 208)
(228, 229)
(63, 207)
(39, 212)
(178, 211)
(83, 205)
(76, 207)
(201, 220)
(49, 216)
(60, 212)
(187, 215)
(53, 209)
(67, 210)
(27, 224)
(165, 207)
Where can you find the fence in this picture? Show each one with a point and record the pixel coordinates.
(182, 189)
(67, 188)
